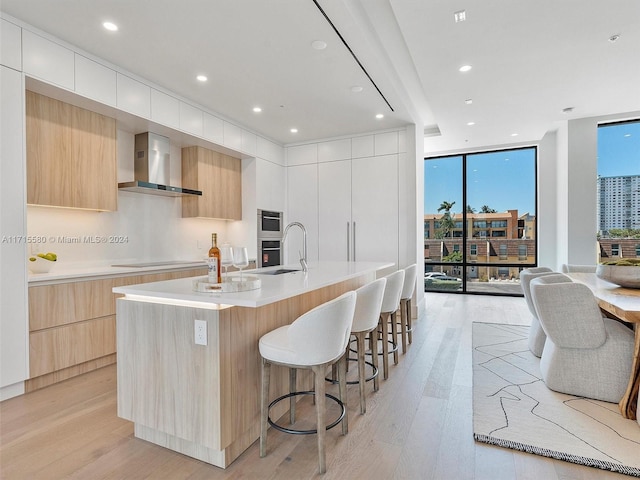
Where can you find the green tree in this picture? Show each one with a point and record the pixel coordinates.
(470, 209)
(486, 209)
(453, 257)
(446, 222)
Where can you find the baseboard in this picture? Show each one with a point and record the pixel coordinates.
(11, 391)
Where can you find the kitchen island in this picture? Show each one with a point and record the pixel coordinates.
(204, 400)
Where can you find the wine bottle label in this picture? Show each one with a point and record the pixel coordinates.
(213, 272)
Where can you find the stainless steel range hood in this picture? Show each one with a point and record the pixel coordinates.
(152, 168)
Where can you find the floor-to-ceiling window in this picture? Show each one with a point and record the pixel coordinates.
(618, 187)
(480, 221)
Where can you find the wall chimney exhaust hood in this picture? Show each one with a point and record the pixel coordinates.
(152, 168)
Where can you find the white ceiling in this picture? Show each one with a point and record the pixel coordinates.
(530, 60)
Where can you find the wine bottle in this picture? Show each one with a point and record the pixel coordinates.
(214, 266)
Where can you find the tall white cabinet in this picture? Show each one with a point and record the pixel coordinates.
(14, 366)
(346, 194)
(302, 188)
(374, 210)
(335, 225)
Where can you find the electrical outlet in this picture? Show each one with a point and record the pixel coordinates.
(200, 329)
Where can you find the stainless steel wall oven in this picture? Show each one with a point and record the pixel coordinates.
(269, 238)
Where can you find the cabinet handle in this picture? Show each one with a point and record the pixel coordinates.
(348, 245)
(354, 241)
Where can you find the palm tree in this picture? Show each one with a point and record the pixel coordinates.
(470, 209)
(486, 209)
(446, 222)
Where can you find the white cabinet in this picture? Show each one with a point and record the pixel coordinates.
(350, 207)
(95, 81)
(374, 208)
(249, 142)
(270, 185)
(232, 136)
(191, 120)
(213, 129)
(10, 45)
(302, 187)
(334, 211)
(133, 96)
(165, 109)
(302, 154)
(47, 60)
(13, 252)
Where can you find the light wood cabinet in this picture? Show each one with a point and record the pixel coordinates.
(219, 177)
(71, 155)
(72, 326)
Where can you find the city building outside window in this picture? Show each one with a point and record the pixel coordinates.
(618, 189)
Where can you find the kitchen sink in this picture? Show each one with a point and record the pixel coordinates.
(280, 271)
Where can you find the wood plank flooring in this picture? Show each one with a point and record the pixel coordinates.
(418, 426)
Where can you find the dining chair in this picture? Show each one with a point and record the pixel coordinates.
(537, 337)
(585, 354)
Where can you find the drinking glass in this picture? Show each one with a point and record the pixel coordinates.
(226, 257)
(240, 258)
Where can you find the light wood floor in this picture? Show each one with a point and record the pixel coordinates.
(418, 426)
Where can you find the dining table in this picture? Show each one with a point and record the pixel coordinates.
(623, 304)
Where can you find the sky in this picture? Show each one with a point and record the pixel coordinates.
(505, 180)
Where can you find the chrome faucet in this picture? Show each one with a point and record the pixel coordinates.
(303, 258)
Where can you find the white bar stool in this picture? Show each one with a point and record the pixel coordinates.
(313, 341)
(408, 288)
(390, 305)
(365, 322)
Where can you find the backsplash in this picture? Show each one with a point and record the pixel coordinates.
(145, 228)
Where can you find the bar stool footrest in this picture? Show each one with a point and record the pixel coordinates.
(356, 382)
(304, 432)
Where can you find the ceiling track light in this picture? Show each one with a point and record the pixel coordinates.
(352, 54)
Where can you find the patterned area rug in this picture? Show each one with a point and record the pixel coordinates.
(513, 408)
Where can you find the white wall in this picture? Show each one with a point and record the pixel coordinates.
(548, 201)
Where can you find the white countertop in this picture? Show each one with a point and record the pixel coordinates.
(64, 273)
(274, 287)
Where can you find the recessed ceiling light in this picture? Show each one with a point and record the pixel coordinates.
(514, 134)
(614, 38)
(356, 89)
(319, 44)
(471, 123)
(257, 109)
(201, 78)
(465, 68)
(460, 16)
(468, 101)
(294, 130)
(379, 116)
(112, 27)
